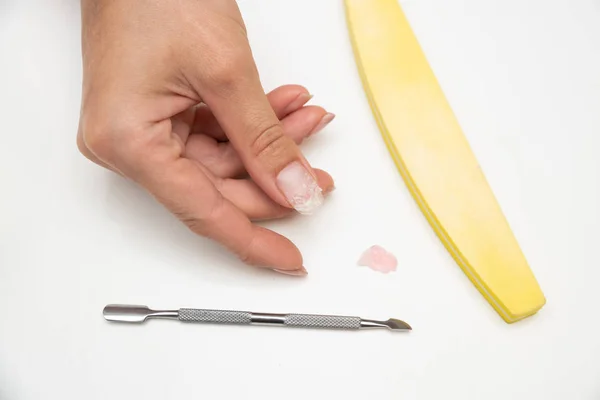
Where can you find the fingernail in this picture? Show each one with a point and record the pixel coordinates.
(327, 118)
(298, 102)
(297, 272)
(300, 188)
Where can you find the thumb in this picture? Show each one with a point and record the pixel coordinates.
(272, 159)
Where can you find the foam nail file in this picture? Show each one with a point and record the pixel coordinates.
(138, 314)
(435, 159)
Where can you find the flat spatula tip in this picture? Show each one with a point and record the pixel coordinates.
(126, 313)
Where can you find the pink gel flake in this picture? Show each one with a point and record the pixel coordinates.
(378, 259)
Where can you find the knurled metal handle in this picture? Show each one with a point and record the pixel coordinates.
(247, 318)
(322, 321)
(215, 316)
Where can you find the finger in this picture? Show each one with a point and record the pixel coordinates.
(306, 122)
(219, 158)
(232, 90)
(153, 159)
(181, 124)
(270, 157)
(284, 100)
(251, 200)
(222, 159)
(184, 189)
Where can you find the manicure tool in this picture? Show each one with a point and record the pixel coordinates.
(139, 314)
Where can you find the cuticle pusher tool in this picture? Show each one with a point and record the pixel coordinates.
(139, 314)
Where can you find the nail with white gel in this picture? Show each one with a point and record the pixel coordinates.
(300, 188)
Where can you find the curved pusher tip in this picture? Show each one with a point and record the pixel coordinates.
(398, 325)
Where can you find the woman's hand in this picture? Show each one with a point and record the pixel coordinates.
(172, 100)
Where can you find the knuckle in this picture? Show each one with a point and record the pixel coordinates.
(228, 70)
(214, 212)
(270, 143)
(104, 139)
(87, 153)
(82, 147)
(224, 76)
(246, 255)
(98, 139)
(201, 223)
(94, 139)
(191, 222)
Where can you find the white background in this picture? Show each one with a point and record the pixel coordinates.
(524, 80)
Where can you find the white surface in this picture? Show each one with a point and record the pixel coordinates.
(522, 77)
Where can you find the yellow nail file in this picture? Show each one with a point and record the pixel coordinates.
(435, 159)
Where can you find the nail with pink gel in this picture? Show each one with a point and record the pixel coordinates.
(378, 259)
(300, 188)
(295, 272)
(323, 123)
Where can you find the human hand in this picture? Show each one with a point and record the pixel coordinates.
(172, 100)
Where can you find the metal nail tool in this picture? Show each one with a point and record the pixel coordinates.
(138, 314)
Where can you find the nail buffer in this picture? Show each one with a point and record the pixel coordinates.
(435, 160)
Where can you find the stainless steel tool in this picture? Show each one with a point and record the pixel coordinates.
(138, 314)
